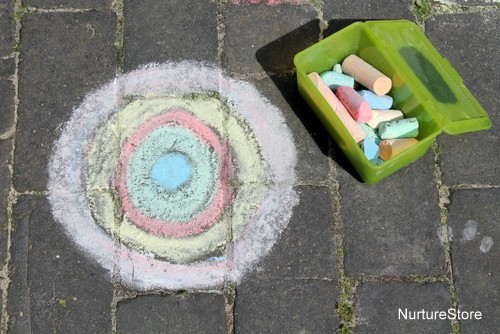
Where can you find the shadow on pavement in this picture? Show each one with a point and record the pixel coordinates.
(276, 58)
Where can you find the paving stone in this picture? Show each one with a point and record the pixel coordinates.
(306, 249)
(7, 94)
(286, 306)
(261, 37)
(474, 219)
(66, 55)
(7, 68)
(311, 138)
(183, 313)
(340, 14)
(390, 227)
(378, 305)
(470, 43)
(5, 160)
(54, 288)
(170, 31)
(68, 3)
(7, 26)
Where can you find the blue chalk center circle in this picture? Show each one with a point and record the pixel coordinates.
(172, 176)
(171, 171)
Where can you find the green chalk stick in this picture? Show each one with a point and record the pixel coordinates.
(404, 128)
(371, 133)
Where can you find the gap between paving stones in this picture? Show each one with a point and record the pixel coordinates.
(118, 6)
(444, 201)
(466, 186)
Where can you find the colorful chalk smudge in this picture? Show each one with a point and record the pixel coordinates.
(174, 176)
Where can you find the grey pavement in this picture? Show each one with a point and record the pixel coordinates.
(352, 258)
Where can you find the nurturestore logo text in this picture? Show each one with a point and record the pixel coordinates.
(451, 314)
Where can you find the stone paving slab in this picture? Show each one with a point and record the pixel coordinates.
(280, 33)
(5, 160)
(170, 31)
(7, 24)
(306, 249)
(367, 10)
(68, 3)
(55, 288)
(311, 138)
(471, 158)
(474, 219)
(7, 93)
(390, 228)
(378, 308)
(7, 68)
(286, 306)
(65, 56)
(181, 313)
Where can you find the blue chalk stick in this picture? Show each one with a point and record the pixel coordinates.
(370, 149)
(375, 101)
(334, 80)
(404, 128)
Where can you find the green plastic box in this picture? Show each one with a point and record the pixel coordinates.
(425, 86)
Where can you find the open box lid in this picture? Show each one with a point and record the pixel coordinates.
(429, 76)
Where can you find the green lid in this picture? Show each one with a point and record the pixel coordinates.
(428, 76)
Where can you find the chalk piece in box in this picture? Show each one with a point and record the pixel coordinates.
(424, 85)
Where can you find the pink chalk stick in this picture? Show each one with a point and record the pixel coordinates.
(355, 104)
(350, 124)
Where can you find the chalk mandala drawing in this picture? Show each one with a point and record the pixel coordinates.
(174, 176)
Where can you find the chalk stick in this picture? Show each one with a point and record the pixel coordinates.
(370, 132)
(350, 124)
(381, 116)
(403, 128)
(337, 68)
(370, 149)
(334, 80)
(392, 147)
(366, 75)
(354, 103)
(375, 101)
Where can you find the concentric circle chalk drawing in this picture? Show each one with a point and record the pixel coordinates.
(174, 176)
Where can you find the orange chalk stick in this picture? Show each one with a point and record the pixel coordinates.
(350, 124)
(354, 103)
(392, 147)
(366, 75)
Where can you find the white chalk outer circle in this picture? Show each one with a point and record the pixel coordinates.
(251, 118)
